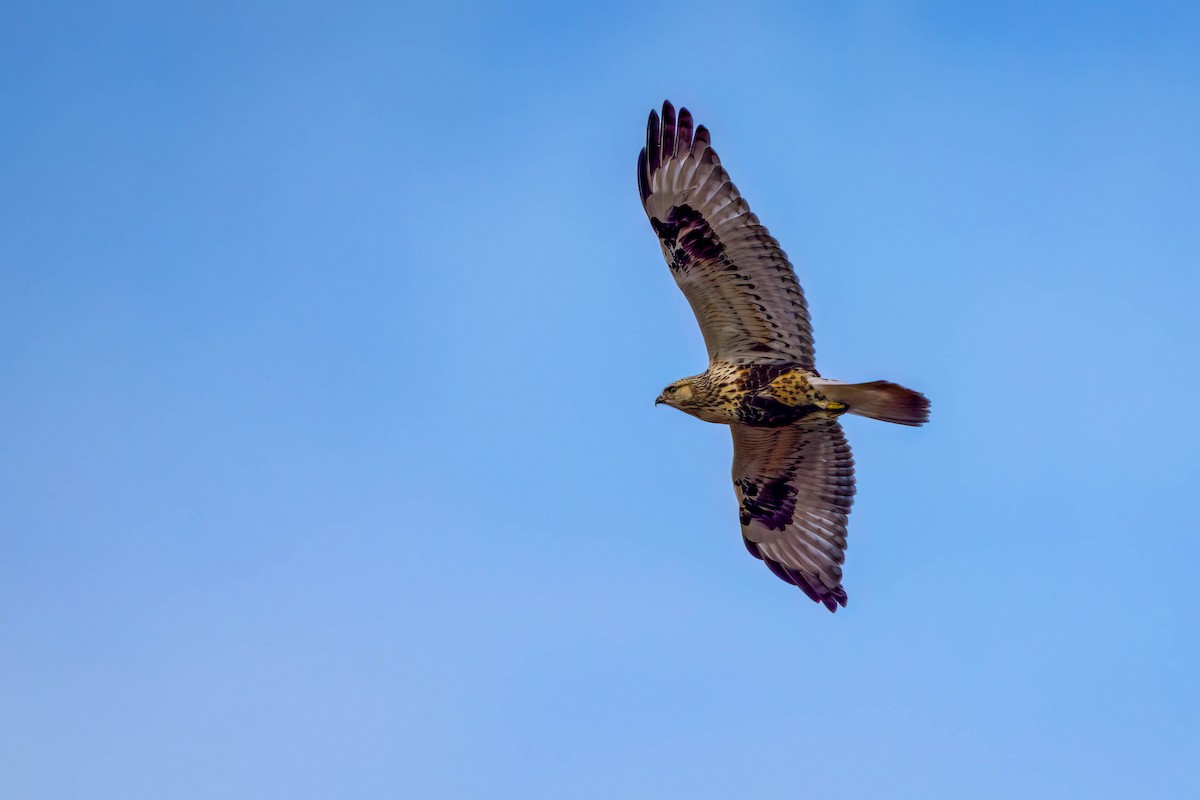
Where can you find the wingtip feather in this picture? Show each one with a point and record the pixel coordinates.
(643, 174)
(671, 135)
(683, 131)
(653, 142)
(668, 130)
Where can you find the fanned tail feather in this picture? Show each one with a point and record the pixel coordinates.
(878, 400)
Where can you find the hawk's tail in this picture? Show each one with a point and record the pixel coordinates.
(878, 400)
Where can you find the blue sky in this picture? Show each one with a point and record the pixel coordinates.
(329, 341)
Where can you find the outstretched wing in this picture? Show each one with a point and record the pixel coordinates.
(795, 486)
(740, 284)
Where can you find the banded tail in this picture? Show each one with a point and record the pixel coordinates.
(877, 400)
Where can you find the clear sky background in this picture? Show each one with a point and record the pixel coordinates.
(329, 340)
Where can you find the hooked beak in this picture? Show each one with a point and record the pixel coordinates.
(659, 401)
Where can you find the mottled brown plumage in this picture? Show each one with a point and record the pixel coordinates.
(767, 395)
(792, 468)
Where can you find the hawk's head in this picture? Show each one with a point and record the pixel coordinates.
(682, 394)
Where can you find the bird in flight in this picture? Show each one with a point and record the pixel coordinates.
(792, 469)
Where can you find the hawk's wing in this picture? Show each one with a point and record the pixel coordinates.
(795, 485)
(740, 284)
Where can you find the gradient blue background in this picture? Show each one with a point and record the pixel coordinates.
(329, 338)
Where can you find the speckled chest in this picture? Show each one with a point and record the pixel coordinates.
(765, 395)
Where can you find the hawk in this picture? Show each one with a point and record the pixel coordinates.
(792, 469)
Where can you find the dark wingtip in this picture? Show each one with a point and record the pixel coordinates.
(836, 597)
(805, 586)
(830, 598)
(752, 547)
(793, 577)
(782, 572)
(683, 131)
(643, 171)
(668, 130)
(667, 137)
(653, 143)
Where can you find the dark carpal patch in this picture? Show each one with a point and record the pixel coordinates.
(688, 237)
(773, 505)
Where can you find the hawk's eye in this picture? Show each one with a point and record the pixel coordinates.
(672, 389)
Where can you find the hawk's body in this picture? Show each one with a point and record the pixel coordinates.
(767, 395)
(792, 469)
